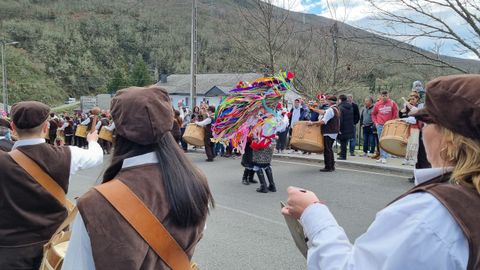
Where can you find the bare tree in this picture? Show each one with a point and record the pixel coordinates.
(266, 31)
(427, 19)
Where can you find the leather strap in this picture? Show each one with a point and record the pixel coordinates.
(145, 223)
(39, 175)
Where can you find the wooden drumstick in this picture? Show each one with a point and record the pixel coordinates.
(95, 111)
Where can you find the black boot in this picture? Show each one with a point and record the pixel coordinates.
(263, 185)
(271, 184)
(246, 174)
(251, 176)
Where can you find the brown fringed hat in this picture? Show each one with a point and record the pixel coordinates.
(453, 102)
(29, 114)
(142, 114)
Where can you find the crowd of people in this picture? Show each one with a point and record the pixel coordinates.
(432, 226)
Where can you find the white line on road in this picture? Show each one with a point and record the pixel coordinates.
(251, 215)
(341, 169)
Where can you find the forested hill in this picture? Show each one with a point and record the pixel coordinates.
(78, 47)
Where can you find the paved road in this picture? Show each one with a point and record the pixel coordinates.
(246, 229)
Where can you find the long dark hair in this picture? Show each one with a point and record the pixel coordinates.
(186, 188)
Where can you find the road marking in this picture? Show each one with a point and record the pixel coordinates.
(343, 169)
(252, 215)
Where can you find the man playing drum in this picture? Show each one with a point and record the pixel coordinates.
(29, 213)
(330, 125)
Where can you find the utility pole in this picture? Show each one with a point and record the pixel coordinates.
(193, 57)
(3, 44)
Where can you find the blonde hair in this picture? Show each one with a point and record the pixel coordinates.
(463, 154)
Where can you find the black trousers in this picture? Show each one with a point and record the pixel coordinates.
(282, 140)
(343, 148)
(209, 146)
(28, 257)
(328, 156)
(68, 139)
(184, 143)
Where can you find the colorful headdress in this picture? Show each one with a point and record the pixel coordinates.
(245, 112)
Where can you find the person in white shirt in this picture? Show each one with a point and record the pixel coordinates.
(30, 214)
(432, 226)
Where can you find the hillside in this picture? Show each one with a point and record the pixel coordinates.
(78, 47)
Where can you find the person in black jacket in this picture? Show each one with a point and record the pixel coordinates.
(356, 119)
(347, 128)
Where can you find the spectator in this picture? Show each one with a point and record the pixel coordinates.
(347, 128)
(413, 139)
(185, 116)
(384, 110)
(356, 118)
(177, 123)
(282, 132)
(367, 127)
(297, 113)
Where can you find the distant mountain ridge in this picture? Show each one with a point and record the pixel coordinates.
(73, 48)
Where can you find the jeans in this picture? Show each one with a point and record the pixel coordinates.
(368, 140)
(282, 140)
(353, 141)
(219, 148)
(383, 154)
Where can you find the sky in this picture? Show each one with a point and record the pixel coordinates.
(359, 13)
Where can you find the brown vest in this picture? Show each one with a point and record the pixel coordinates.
(28, 213)
(115, 244)
(333, 125)
(463, 204)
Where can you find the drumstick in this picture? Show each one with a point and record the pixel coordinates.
(94, 111)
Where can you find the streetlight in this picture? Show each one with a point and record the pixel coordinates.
(4, 69)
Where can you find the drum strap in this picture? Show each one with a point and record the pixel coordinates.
(42, 178)
(137, 214)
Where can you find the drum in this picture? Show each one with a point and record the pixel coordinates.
(194, 135)
(81, 131)
(307, 138)
(105, 134)
(55, 251)
(394, 137)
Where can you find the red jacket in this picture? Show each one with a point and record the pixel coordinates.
(384, 111)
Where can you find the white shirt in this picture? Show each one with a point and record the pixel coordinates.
(329, 114)
(111, 127)
(87, 121)
(415, 232)
(80, 158)
(79, 254)
(295, 116)
(205, 122)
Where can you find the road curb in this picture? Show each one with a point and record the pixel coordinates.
(350, 163)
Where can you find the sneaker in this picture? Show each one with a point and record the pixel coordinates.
(405, 162)
(383, 160)
(352, 154)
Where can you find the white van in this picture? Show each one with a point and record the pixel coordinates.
(70, 100)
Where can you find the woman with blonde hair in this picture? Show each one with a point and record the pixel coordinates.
(432, 226)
